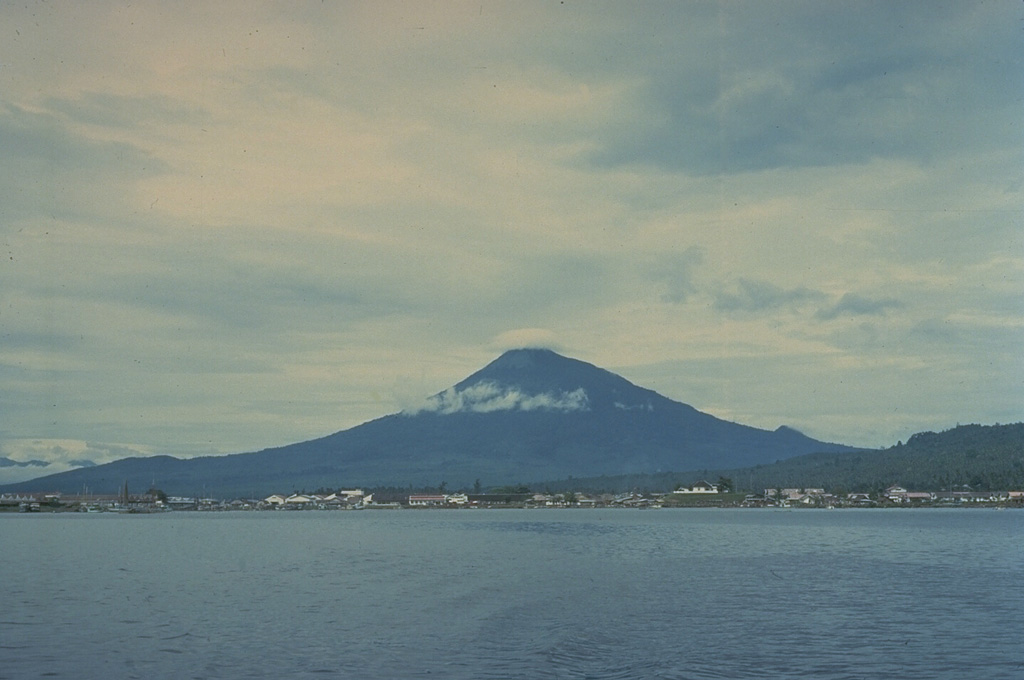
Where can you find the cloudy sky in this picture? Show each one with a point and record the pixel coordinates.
(227, 226)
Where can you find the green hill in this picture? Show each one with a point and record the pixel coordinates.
(983, 457)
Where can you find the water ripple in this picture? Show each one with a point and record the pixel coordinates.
(491, 596)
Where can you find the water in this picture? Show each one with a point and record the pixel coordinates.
(676, 594)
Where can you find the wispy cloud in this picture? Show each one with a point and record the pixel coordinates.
(763, 105)
(677, 273)
(65, 173)
(759, 296)
(534, 338)
(37, 457)
(488, 397)
(852, 304)
(106, 109)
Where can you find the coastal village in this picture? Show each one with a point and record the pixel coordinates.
(700, 494)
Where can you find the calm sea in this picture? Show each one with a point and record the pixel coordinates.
(514, 594)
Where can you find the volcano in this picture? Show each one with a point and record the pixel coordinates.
(530, 415)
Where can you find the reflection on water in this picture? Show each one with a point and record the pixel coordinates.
(509, 594)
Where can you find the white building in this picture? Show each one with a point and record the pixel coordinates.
(423, 500)
(700, 487)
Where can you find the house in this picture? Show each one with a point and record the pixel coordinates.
(425, 500)
(700, 487)
(333, 502)
(275, 499)
(631, 500)
(15, 500)
(895, 493)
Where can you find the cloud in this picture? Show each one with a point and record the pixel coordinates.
(67, 450)
(488, 397)
(759, 296)
(852, 304)
(122, 112)
(526, 338)
(738, 98)
(676, 272)
(33, 458)
(63, 172)
(648, 406)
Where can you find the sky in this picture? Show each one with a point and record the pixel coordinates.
(234, 225)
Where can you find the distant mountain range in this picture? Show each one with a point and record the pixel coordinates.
(7, 462)
(530, 414)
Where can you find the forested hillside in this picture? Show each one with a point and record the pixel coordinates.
(982, 457)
